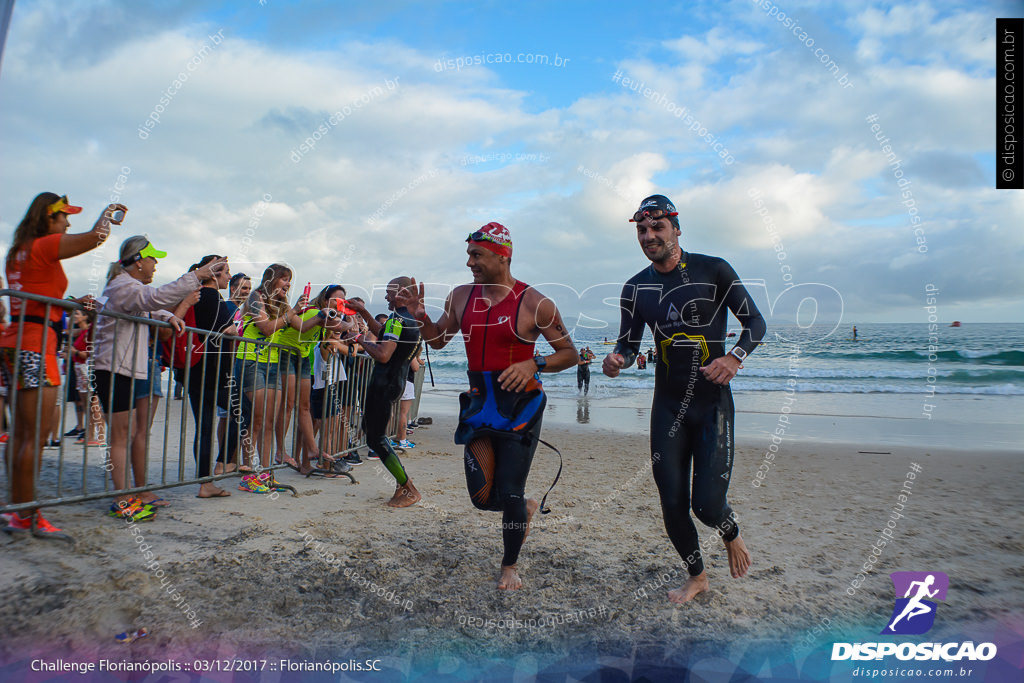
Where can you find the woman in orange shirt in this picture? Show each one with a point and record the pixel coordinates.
(33, 266)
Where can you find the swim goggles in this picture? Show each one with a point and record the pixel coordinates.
(481, 236)
(148, 251)
(653, 214)
(62, 206)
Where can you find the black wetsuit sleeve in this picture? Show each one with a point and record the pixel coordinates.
(631, 326)
(742, 306)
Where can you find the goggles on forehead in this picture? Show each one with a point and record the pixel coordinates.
(148, 251)
(653, 214)
(481, 236)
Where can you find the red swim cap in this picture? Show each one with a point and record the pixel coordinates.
(493, 237)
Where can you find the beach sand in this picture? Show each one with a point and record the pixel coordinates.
(416, 587)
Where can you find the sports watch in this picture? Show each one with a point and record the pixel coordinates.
(541, 363)
(739, 353)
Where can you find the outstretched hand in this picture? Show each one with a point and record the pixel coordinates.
(356, 306)
(212, 269)
(411, 298)
(109, 217)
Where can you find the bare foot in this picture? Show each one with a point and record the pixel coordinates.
(283, 458)
(739, 557)
(690, 589)
(405, 496)
(219, 468)
(531, 510)
(210, 490)
(509, 580)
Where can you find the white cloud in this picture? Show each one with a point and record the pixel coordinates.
(226, 139)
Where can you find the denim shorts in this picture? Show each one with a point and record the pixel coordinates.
(142, 386)
(255, 376)
(295, 364)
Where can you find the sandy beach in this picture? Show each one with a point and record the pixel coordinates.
(333, 574)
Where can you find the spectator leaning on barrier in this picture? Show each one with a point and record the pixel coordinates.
(33, 266)
(94, 431)
(257, 369)
(325, 402)
(296, 375)
(239, 287)
(208, 380)
(324, 304)
(122, 356)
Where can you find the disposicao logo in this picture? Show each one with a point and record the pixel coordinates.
(914, 614)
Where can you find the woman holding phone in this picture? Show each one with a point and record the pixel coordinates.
(33, 265)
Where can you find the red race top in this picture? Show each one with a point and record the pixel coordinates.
(492, 343)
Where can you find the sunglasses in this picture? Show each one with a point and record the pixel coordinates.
(653, 214)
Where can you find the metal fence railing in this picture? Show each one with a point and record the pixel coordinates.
(144, 371)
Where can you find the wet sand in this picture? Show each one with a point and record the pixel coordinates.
(333, 573)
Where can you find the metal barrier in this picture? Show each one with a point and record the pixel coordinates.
(233, 388)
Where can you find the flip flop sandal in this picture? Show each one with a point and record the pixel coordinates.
(222, 494)
(329, 474)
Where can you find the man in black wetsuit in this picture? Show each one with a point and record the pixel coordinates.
(398, 342)
(583, 372)
(684, 299)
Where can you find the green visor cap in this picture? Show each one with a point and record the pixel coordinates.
(148, 250)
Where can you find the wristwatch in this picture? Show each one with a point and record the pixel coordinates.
(739, 353)
(541, 363)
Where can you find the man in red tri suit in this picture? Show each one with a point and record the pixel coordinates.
(500, 319)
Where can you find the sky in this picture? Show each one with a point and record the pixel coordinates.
(356, 143)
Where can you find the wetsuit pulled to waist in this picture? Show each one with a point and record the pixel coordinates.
(488, 410)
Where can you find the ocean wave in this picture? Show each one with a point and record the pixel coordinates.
(918, 355)
(864, 388)
(920, 386)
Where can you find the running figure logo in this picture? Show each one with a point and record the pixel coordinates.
(914, 613)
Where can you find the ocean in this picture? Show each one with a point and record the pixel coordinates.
(980, 359)
(888, 385)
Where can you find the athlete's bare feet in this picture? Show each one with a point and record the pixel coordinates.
(739, 557)
(531, 510)
(405, 496)
(692, 587)
(509, 580)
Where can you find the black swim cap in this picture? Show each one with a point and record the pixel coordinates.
(660, 201)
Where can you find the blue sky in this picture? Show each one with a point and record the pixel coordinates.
(567, 152)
